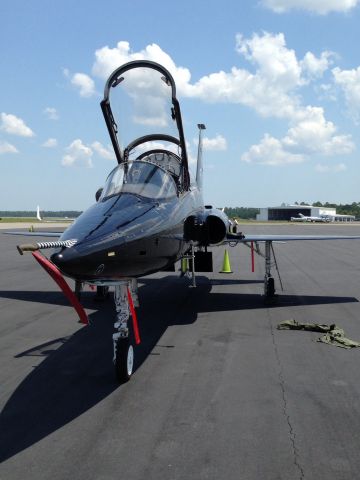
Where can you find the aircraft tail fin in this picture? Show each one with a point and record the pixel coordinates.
(38, 216)
(199, 166)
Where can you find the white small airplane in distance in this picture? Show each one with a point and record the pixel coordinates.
(304, 218)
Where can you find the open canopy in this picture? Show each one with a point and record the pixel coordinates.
(143, 117)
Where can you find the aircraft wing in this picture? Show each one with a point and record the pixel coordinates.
(286, 238)
(231, 237)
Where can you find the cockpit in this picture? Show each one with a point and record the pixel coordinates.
(142, 178)
(143, 117)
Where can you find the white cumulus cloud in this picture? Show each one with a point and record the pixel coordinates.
(275, 61)
(108, 59)
(216, 143)
(269, 90)
(6, 147)
(84, 83)
(321, 7)
(271, 151)
(77, 154)
(50, 143)
(148, 94)
(104, 152)
(315, 67)
(270, 86)
(15, 125)
(312, 135)
(242, 87)
(349, 82)
(272, 89)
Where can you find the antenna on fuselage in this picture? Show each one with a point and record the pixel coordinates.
(199, 166)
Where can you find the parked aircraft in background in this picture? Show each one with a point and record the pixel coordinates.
(150, 213)
(304, 218)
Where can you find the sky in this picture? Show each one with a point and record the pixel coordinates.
(276, 82)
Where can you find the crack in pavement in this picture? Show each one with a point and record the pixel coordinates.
(292, 434)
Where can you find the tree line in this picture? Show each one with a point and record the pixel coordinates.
(246, 213)
(32, 214)
(239, 212)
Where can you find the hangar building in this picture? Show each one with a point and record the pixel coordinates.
(285, 212)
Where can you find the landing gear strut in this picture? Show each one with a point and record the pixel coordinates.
(188, 265)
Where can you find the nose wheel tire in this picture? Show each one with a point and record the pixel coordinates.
(124, 360)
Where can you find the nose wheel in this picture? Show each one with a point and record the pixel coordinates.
(124, 359)
(126, 335)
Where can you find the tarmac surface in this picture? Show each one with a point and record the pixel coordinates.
(218, 391)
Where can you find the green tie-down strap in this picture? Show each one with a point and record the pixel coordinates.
(333, 334)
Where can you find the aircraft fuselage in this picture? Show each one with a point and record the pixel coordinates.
(127, 236)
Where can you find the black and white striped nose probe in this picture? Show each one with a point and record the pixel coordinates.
(32, 247)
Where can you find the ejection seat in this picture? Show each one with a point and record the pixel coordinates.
(165, 159)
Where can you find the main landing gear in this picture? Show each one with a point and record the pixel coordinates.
(123, 338)
(269, 282)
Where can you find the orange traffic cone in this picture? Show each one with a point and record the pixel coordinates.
(226, 264)
(184, 266)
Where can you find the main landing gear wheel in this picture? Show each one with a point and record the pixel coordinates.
(270, 287)
(124, 360)
(270, 296)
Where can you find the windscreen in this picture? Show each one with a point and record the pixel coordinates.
(139, 178)
(141, 103)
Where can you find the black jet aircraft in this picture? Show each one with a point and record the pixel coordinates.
(150, 212)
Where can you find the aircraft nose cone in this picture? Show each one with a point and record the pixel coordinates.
(74, 264)
(56, 258)
(63, 261)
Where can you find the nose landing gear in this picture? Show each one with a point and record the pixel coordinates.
(125, 337)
